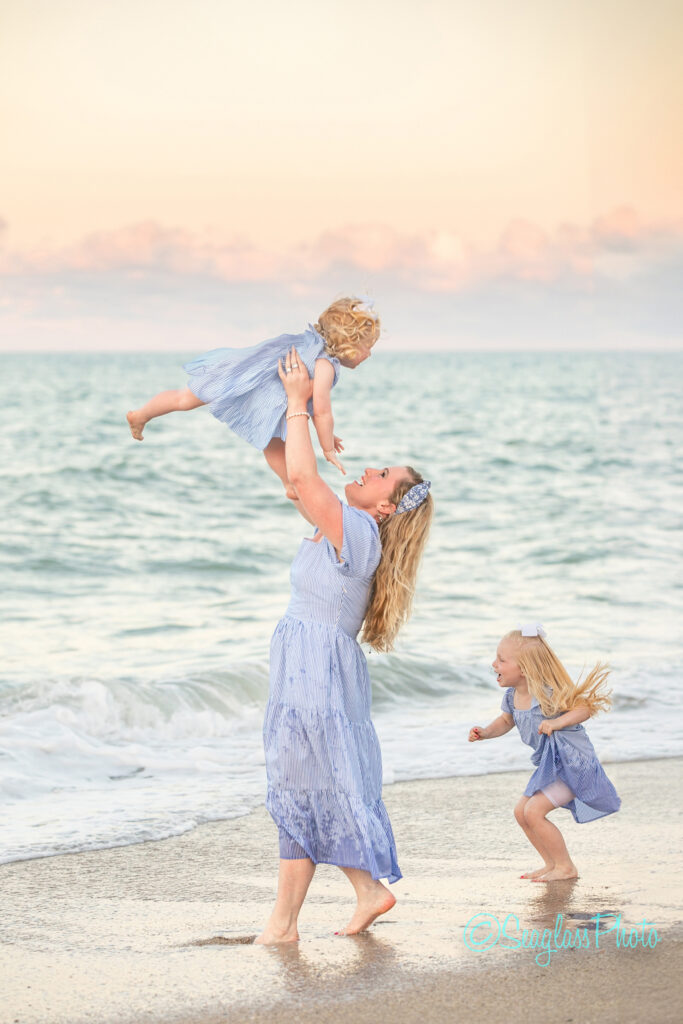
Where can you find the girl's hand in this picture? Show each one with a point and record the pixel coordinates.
(331, 456)
(295, 379)
(475, 733)
(547, 726)
(338, 446)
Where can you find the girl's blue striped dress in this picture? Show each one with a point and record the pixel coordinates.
(566, 754)
(242, 388)
(322, 754)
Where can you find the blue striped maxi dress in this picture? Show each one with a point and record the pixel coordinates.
(566, 754)
(323, 759)
(242, 388)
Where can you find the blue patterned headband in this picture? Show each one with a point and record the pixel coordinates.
(414, 497)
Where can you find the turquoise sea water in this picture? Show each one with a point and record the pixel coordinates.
(141, 582)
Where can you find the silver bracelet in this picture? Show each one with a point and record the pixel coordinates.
(291, 415)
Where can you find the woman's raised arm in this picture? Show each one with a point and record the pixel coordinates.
(320, 504)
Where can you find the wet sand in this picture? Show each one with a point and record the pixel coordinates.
(161, 932)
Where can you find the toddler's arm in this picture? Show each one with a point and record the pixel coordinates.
(323, 420)
(578, 714)
(498, 727)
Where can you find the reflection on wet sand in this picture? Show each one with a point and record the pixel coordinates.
(353, 963)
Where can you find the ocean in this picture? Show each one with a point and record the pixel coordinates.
(141, 582)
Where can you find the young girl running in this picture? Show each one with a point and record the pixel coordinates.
(548, 708)
(242, 387)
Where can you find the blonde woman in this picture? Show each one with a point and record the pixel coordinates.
(322, 754)
(242, 390)
(548, 707)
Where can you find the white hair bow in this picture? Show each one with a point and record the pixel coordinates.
(369, 305)
(531, 629)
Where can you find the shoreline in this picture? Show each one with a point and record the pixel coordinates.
(159, 931)
(387, 787)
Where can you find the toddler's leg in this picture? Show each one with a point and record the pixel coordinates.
(548, 863)
(179, 400)
(275, 457)
(550, 837)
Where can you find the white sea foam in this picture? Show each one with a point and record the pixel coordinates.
(100, 766)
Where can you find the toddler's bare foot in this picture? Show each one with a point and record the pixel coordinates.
(538, 872)
(370, 906)
(291, 493)
(560, 873)
(136, 424)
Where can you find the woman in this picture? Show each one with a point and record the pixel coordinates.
(322, 755)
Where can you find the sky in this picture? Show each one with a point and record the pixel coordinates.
(183, 174)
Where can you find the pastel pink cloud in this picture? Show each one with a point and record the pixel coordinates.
(619, 225)
(436, 261)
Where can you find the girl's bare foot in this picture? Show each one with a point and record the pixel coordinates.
(369, 907)
(538, 872)
(559, 873)
(136, 424)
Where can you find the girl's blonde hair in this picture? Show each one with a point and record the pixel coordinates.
(542, 669)
(403, 539)
(345, 325)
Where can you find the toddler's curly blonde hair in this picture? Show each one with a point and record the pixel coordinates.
(346, 325)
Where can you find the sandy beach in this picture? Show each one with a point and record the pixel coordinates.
(161, 932)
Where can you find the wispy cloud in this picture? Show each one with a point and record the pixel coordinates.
(564, 284)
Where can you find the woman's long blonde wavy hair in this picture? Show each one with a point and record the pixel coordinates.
(403, 539)
(346, 325)
(542, 669)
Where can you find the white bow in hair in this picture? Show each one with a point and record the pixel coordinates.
(531, 629)
(369, 305)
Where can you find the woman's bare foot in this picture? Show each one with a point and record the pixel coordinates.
(560, 873)
(369, 907)
(538, 872)
(271, 935)
(136, 424)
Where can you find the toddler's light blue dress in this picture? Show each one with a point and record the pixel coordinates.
(323, 759)
(566, 754)
(242, 388)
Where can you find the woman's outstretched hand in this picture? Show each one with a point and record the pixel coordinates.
(295, 379)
